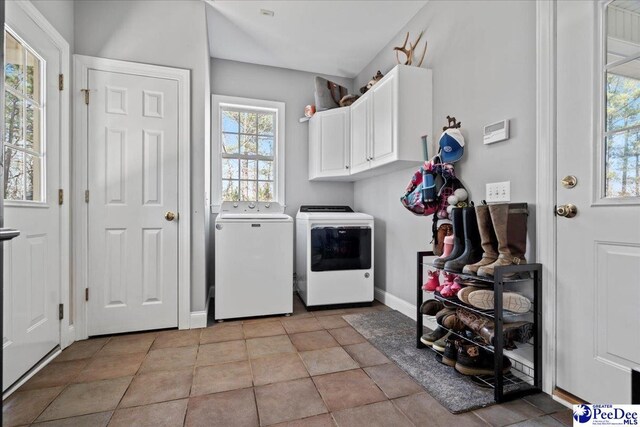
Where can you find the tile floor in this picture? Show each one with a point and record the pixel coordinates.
(310, 369)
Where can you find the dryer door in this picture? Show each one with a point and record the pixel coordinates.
(340, 248)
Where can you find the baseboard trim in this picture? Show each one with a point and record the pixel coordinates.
(198, 319)
(402, 306)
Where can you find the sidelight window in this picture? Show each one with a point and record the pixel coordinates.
(23, 117)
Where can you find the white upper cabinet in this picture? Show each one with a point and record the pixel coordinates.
(329, 147)
(384, 105)
(360, 157)
(384, 131)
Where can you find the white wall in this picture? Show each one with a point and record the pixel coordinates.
(483, 59)
(295, 89)
(59, 13)
(170, 33)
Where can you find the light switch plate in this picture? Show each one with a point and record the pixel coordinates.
(498, 192)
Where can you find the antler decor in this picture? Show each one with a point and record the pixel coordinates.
(452, 123)
(408, 52)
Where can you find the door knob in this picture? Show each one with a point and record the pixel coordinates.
(170, 216)
(567, 211)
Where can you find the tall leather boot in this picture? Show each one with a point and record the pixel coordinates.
(472, 250)
(458, 239)
(510, 224)
(488, 239)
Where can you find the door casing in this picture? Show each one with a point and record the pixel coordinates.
(82, 64)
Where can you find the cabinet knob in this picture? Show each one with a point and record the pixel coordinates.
(346, 166)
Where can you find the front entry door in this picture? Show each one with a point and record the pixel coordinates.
(598, 137)
(33, 262)
(133, 201)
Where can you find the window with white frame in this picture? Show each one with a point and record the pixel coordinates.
(249, 153)
(23, 139)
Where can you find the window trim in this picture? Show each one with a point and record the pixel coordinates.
(216, 144)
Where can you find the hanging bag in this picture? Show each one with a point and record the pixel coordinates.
(420, 195)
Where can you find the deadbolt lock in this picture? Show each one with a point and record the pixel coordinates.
(569, 181)
(567, 211)
(170, 216)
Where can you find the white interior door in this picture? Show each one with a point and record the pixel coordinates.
(133, 184)
(598, 262)
(32, 261)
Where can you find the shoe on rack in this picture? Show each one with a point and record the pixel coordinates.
(449, 287)
(484, 328)
(475, 360)
(433, 282)
(450, 321)
(444, 312)
(458, 239)
(463, 294)
(441, 344)
(510, 225)
(450, 353)
(472, 244)
(488, 240)
(511, 301)
(433, 336)
(444, 229)
(431, 307)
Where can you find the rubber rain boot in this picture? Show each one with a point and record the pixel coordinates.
(510, 224)
(458, 239)
(472, 244)
(488, 239)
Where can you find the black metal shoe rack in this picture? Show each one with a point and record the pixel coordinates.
(518, 387)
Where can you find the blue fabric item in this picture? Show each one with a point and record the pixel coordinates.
(451, 146)
(428, 187)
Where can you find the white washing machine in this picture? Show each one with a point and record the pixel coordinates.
(253, 260)
(334, 256)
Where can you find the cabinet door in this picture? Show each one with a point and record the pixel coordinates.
(384, 106)
(334, 143)
(360, 135)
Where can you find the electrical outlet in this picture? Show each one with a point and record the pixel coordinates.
(498, 192)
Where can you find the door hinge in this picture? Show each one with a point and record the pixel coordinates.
(86, 95)
(60, 311)
(60, 81)
(60, 196)
(86, 294)
(86, 196)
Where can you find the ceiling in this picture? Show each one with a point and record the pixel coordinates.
(329, 37)
(630, 5)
